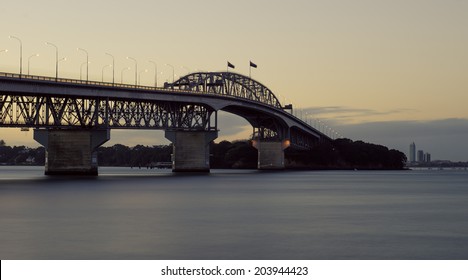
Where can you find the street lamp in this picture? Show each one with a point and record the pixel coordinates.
(87, 62)
(172, 71)
(136, 69)
(62, 59)
(104, 67)
(139, 75)
(155, 73)
(121, 74)
(21, 52)
(81, 69)
(56, 58)
(113, 67)
(29, 60)
(307, 114)
(319, 125)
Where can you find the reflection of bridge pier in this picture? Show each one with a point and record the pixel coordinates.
(191, 150)
(70, 151)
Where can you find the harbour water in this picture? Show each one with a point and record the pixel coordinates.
(234, 214)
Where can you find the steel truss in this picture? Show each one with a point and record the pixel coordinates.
(228, 84)
(297, 138)
(77, 112)
(300, 139)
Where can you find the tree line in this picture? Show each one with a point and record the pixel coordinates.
(337, 154)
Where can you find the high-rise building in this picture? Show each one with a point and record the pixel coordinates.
(412, 152)
(427, 157)
(420, 156)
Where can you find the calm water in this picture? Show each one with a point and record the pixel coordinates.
(146, 214)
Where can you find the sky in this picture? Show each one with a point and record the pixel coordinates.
(386, 72)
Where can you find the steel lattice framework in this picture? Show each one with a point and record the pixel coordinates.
(74, 112)
(227, 84)
(190, 103)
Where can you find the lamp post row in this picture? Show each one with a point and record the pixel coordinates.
(21, 53)
(57, 60)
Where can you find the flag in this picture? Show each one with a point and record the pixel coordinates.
(253, 64)
(231, 65)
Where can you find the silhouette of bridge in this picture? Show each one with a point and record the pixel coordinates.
(71, 118)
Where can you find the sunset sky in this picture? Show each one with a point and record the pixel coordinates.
(388, 72)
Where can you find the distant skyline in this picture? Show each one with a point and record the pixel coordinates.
(388, 72)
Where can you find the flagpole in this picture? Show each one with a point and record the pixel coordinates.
(251, 64)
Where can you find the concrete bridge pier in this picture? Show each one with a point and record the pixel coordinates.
(191, 150)
(271, 154)
(71, 152)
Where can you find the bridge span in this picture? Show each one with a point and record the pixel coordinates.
(72, 118)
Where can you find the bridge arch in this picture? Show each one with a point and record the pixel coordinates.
(227, 84)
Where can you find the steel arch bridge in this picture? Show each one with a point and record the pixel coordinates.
(267, 125)
(227, 84)
(190, 104)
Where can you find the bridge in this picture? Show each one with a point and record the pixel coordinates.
(72, 118)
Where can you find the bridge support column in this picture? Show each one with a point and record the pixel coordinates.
(270, 154)
(191, 150)
(71, 152)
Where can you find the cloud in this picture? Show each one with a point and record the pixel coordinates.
(340, 114)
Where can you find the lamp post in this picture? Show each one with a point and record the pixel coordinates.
(319, 125)
(136, 69)
(56, 58)
(81, 69)
(121, 74)
(155, 73)
(139, 75)
(113, 67)
(21, 53)
(62, 59)
(172, 71)
(29, 60)
(104, 67)
(307, 114)
(87, 62)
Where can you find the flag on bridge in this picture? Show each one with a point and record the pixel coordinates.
(230, 65)
(252, 65)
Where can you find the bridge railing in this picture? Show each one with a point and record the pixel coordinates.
(80, 82)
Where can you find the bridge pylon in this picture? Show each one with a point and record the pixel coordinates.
(71, 151)
(191, 149)
(270, 139)
(270, 154)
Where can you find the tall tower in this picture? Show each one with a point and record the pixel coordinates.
(420, 156)
(412, 152)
